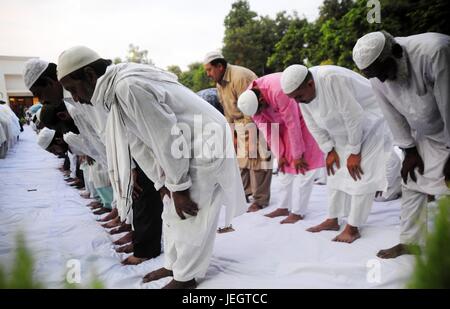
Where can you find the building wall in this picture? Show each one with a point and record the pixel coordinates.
(11, 79)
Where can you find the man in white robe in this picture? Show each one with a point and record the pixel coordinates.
(411, 79)
(341, 112)
(145, 218)
(172, 134)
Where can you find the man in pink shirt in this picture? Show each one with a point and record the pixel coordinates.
(299, 156)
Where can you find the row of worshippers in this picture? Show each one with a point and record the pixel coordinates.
(138, 112)
(10, 128)
(351, 119)
(72, 163)
(67, 130)
(125, 127)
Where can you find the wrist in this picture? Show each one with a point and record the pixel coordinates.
(408, 151)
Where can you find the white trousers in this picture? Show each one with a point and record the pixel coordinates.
(88, 184)
(355, 207)
(186, 260)
(413, 223)
(296, 191)
(73, 164)
(394, 179)
(413, 217)
(321, 177)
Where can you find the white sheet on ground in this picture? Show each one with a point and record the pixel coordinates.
(261, 253)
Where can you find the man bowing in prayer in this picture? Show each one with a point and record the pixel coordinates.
(179, 140)
(411, 78)
(341, 112)
(299, 156)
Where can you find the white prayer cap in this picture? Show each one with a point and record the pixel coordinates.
(368, 48)
(33, 69)
(293, 76)
(248, 103)
(75, 58)
(45, 137)
(212, 56)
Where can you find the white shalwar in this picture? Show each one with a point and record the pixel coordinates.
(296, 191)
(170, 132)
(345, 116)
(394, 179)
(418, 114)
(91, 123)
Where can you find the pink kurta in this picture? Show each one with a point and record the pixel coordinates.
(295, 139)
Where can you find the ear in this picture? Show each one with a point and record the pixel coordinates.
(397, 50)
(62, 116)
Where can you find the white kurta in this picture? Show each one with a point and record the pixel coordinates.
(345, 116)
(89, 140)
(159, 115)
(417, 110)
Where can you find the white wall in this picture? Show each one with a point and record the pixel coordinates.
(11, 80)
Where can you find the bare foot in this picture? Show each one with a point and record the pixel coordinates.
(157, 274)
(95, 205)
(85, 195)
(125, 239)
(75, 183)
(174, 284)
(254, 207)
(126, 249)
(279, 212)
(122, 228)
(113, 223)
(113, 214)
(327, 225)
(292, 218)
(132, 260)
(348, 235)
(101, 211)
(394, 252)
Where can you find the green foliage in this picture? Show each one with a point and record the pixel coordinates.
(194, 78)
(117, 60)
(250, 39)
(432, 268)
(138, 56)
(21, 276)
(264, 45)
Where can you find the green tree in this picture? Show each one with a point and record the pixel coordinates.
(175, 69)
(330, 39)
(432, 270)
(138, 56)
(194, 78)
(250, 39)
(292, 46)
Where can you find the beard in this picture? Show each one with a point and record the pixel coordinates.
(402, 69)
